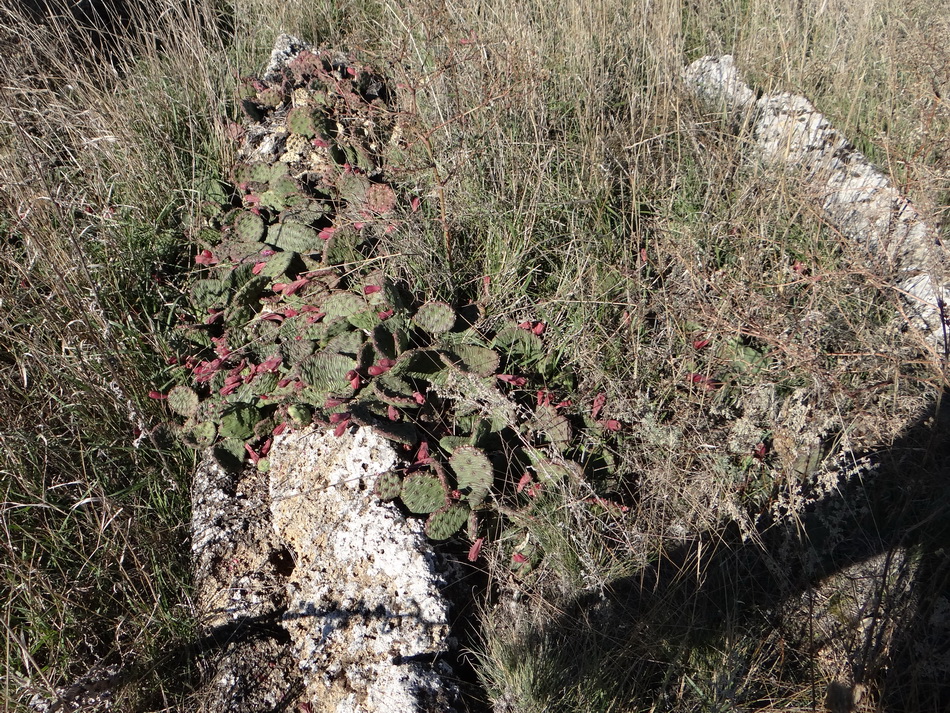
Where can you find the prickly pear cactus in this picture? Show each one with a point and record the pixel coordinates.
(473, 473)
(423, 493)
(291, 322)
(388, 485)
(446, 521)
(435, 318)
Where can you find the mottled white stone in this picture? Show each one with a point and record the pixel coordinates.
(364, 599)
(860, 201)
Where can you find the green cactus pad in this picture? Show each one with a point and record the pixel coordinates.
(450, 443)
(522, 344)
(318, 332)
(344, 304)
(250, 393)
(183, 401)
(435, 318)
(364, 320)
(280, 264)
(419, 364)
(296, 350)
(284, 186)
(553, 425)
(388, 485)
(342, 247)
(349, 343)
(300, 414)
(245, 302)
(393, 390)
(274, 201)
(384, 341)
(238, 423)
(480, 361)
(327, 372)
(473, 471)
(208, 293)
(353, 188)
(283, 193)
(445, 522)
(248, 226)
(270, 97)
(294, 237)
(257, 172)
(230, 453)
(526, 558)
(204, 433)
(300, 120)
(239, 275)
(367, 355)
(423, 493)
(549, 471)
(309, 215)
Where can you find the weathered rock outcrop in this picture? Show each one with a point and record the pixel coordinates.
(856, 198)
(365, 613)
(313, 589)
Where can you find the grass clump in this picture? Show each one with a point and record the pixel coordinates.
(105, 133)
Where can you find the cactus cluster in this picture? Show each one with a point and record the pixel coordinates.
(291, 331)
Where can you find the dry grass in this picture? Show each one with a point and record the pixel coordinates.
(561, 158)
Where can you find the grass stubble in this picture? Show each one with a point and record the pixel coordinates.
(560, 158)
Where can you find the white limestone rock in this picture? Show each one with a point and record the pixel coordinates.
(364, 611)
(856, 198)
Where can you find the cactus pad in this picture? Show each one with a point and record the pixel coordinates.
(300, 414)
(349, 342)
(208, 293)
(204, 433)
(270, 97)
(423, 493)
(555, 426)
(282, 263)
(473, 471)
(388, 485)
(238, 423)
(248, 227)
(445, 522)
(300, 120)
(353, 188)
(327, 372)
(344, 304)
(393, 390)
(519, 343)
(477, 360)
(435, 318)
(294, 237)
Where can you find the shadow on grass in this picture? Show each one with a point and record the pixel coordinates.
(714, 617)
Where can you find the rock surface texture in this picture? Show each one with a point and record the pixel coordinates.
(313, 590)
(856, 198)
(364, 610)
